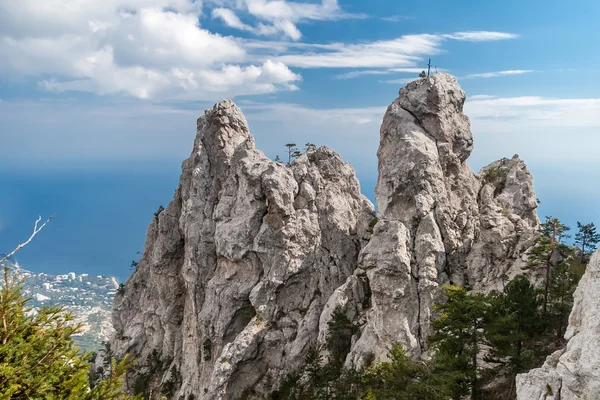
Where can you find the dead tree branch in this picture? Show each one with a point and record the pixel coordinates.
(36, 230)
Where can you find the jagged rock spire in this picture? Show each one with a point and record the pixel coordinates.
(242, 271)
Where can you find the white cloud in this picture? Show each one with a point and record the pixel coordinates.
(144, 48)
(481, 97)
(480, 36)
(396, 18)
(400, 81)
(282, 111)
(230, 19)
(499, 73)
(280, 16)
(543, 131)
(158, 49)
(356, 74)
(404, 52)
(509, 113)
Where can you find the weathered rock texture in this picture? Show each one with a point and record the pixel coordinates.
(438, 221)
(572, 373)
(242, 271)
(236, 270)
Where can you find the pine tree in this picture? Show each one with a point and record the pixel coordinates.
(310, 147)
(38, 357)
(404, 379)
(560, 296)
(339, 338)
(292, 152)
(459, 336)
(546, 249)
(587, 239)
(512, 329)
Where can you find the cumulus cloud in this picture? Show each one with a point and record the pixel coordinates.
(159, 49)
(144, 48)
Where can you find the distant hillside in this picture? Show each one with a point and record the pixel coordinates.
(88, 297)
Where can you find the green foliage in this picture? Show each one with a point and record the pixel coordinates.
(507, 329)
(459, 336)
(587, 239)
(38, 357)
(548, 247)
(134, 265)
(157, 213)
(153, 370)
(121, 288)
(372, 224)
(246, 314)
(340, 335)
(292, 152)
(423, 74)
(495, 174)
(563, 283)
(318, 379)
(512, 327)
(172, 383)
(207, 349)
(310, 147)
(140, 385)
(310, 150)
(555, 230)
(404, 379)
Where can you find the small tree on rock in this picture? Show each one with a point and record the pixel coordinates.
(292, 152)
(310, 147)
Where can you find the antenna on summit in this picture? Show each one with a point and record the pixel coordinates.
(429, 67)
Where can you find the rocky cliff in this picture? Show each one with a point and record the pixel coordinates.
(242, 271)
(572, 373)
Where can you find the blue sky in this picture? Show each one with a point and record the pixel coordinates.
(98, 100)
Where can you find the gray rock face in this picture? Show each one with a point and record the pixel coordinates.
(242, 271)
(572, 373)
(237, 269)
(439, 222)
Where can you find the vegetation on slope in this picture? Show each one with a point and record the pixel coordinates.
(480, 341)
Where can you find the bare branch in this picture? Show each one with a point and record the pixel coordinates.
(25, 243)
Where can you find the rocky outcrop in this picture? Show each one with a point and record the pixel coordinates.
(237, 269)
(572, 373)
(438, 221)
(243, 270)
